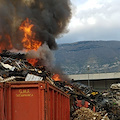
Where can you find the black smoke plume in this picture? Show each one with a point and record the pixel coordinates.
(50, 18)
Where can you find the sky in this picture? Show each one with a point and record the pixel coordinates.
(93, 20)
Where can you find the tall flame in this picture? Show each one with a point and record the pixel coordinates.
(29, 41)
(56, 77)
(3, 44)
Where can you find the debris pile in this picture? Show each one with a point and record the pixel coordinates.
(14, 66)
(87, 114)
(113, 96)
(106, 104)
(115, 90)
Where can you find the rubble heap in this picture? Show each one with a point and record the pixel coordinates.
(115, 93)
(113, 96)
(14, 66)
(87, 114)
(107, 104)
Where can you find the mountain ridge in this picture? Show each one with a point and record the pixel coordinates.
(101, 56)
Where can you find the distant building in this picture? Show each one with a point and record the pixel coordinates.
(99, 81)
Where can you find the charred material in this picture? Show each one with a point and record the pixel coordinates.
(6, 53)
(15, 64)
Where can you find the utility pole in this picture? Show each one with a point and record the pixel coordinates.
(88, 68)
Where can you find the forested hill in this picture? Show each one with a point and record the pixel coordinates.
(101, 56)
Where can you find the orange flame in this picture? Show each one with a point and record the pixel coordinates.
(3, 40)
(32, 61)
(29, 41)
(56, 77)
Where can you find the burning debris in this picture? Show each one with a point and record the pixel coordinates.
(13, 64)
(15, 67)
(31, 26)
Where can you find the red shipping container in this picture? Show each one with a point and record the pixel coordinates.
(1, 102)
(36, 101)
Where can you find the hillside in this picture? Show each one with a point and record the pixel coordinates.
(101, 56)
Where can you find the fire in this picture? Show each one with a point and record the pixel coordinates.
(29, 42)
(3, 40)
(32, 61)
(56, 77)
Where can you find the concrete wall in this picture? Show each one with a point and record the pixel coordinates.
(97, 76)
(100, 84)
(99, 81)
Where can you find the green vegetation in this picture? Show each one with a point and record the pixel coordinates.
(102, 56)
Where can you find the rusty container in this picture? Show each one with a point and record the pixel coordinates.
(36, 101)
(1, 102)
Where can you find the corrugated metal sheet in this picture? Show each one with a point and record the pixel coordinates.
(36, 101)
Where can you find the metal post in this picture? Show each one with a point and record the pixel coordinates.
(88, 67)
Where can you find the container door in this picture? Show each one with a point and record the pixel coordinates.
(25, 102)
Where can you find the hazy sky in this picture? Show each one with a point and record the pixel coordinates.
(93, 20)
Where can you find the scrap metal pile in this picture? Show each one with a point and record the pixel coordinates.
(14, 66)
(85, 101)
(89, 104)
(113, 97)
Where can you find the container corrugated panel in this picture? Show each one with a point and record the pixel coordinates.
(58, 104)
(36, 101)
(1, 102)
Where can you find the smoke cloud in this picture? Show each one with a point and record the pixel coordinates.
(50, 18)
(43, 54)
